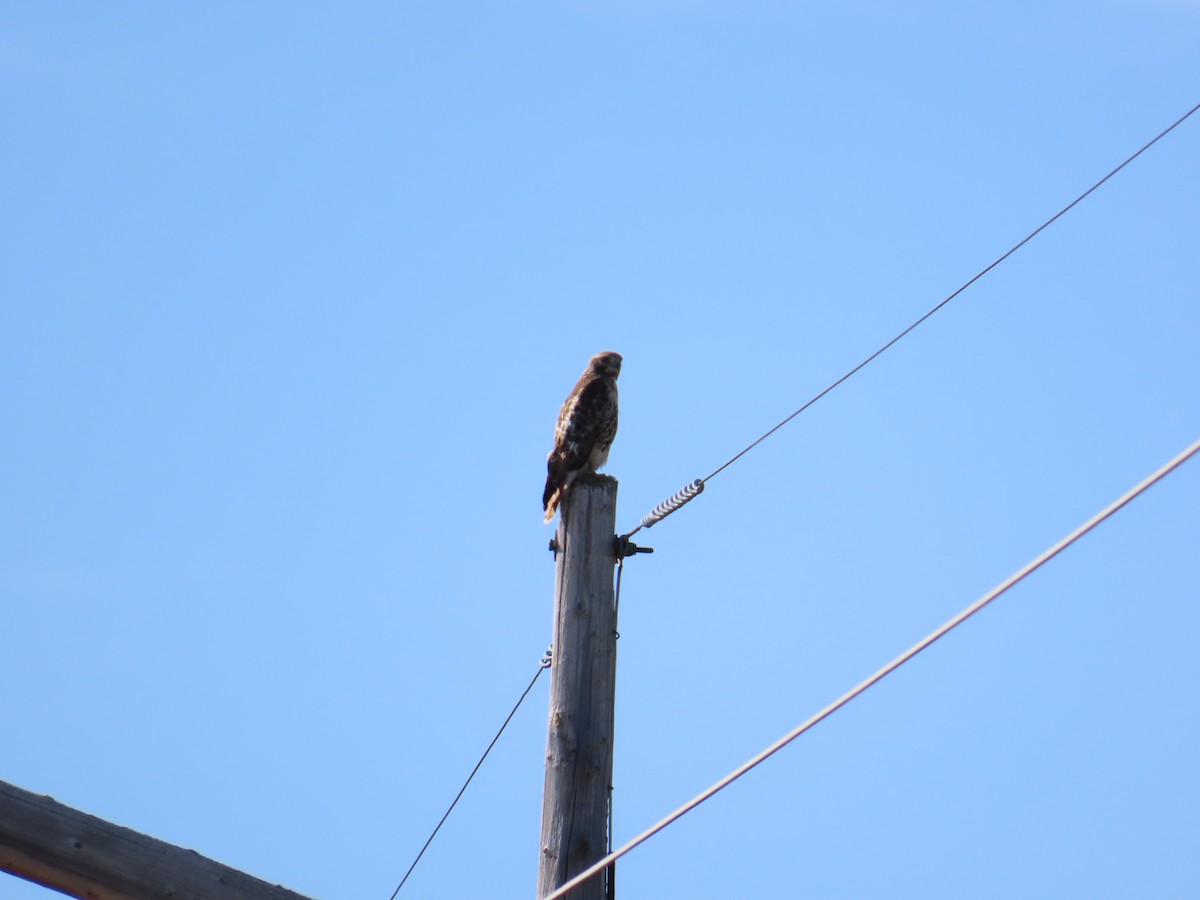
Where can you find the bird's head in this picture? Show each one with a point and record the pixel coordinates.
(607, 363)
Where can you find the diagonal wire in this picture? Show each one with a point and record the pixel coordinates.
(896, 663)
(673, 503)
(1025, 240)
(545, 664)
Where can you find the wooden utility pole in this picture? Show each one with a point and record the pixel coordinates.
(83, 856)
(579, 740)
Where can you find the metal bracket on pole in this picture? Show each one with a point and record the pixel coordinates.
(623, 547)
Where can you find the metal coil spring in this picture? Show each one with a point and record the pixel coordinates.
(673, 503)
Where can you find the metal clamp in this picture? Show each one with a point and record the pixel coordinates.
(623, 547)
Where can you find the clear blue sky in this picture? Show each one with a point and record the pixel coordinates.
(292, 294)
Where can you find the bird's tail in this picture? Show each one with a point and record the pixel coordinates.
(552, 494)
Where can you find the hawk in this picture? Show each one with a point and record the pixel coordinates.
(587, 424)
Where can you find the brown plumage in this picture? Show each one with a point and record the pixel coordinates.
(587, 424)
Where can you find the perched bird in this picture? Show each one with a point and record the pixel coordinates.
(587, 424)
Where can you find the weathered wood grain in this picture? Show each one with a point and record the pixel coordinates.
(80, 855)
(583, 674)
